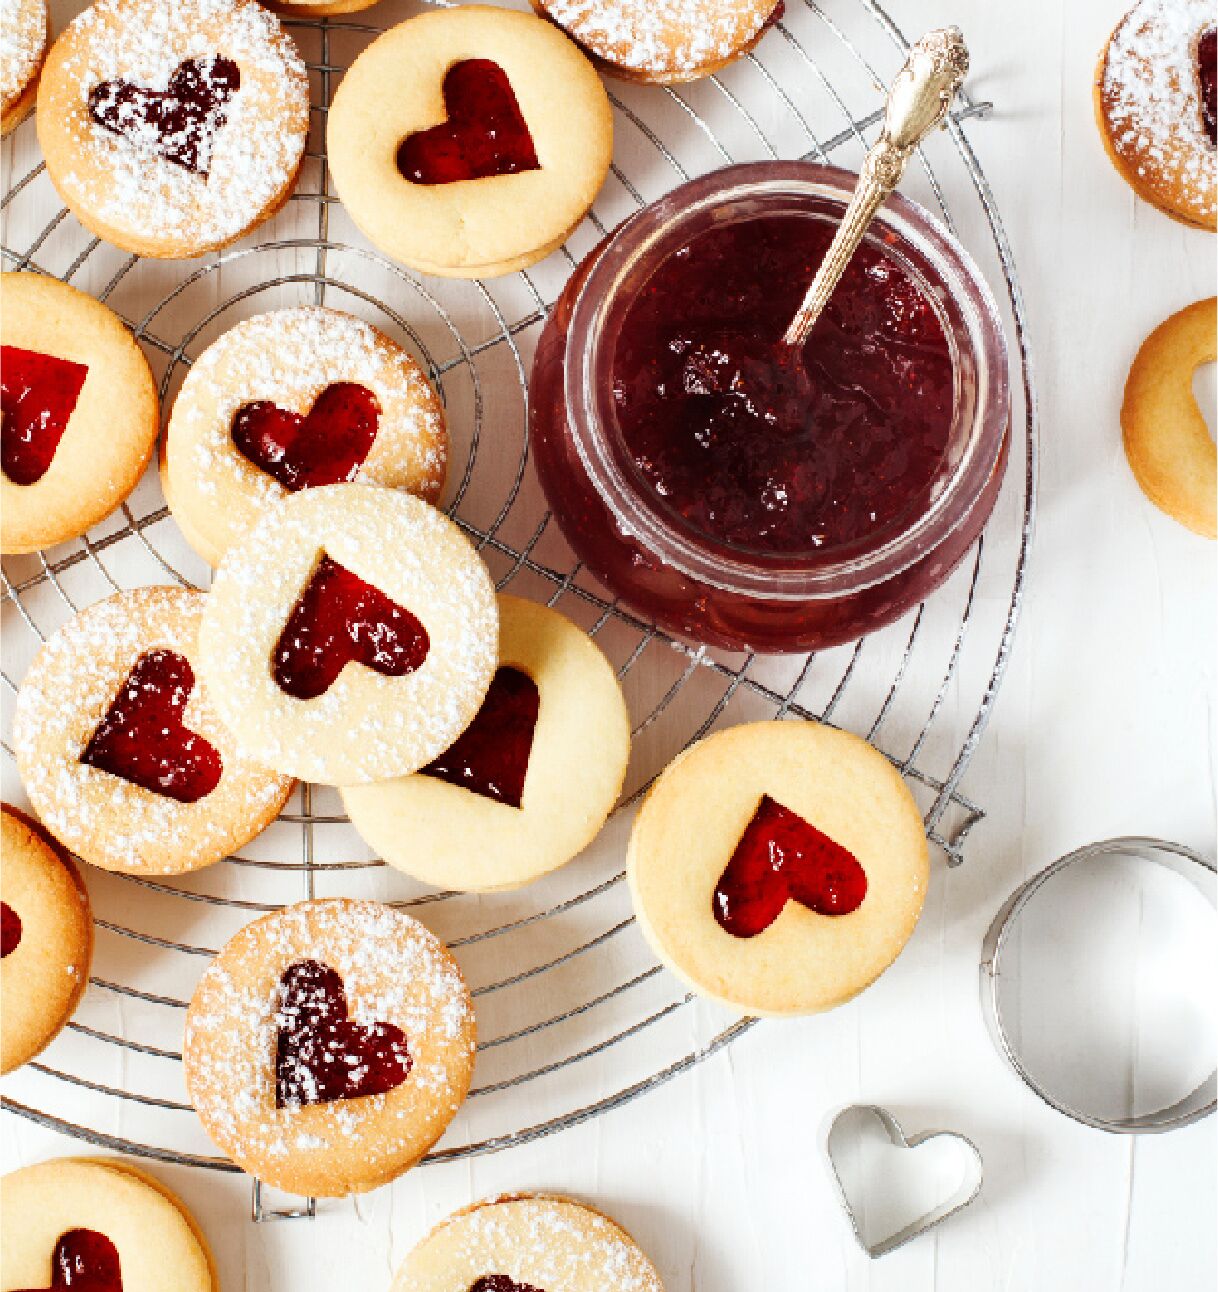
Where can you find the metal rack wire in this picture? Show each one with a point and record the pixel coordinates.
(574, 1014)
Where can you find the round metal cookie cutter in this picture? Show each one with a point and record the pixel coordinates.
(1199, 871)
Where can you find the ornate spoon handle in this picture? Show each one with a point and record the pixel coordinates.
(918, 100)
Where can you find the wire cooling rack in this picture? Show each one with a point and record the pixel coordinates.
(575, 1016)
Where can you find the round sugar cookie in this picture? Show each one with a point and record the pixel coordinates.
(80, 412)
(23, 46)
(290, 400)
(528, 784)
(173, 127)
(1156, 111)
(469, 142)
(98, 1223)
(778, 867)
(681, 40)
(120, 748)
(350, 636)
(527, 1243)
(1167, 442)
(46, 939)
(328, 1046)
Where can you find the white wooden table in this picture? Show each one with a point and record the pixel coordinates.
(1104, 727)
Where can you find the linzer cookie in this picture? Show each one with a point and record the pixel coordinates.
(1156, 101)
(46, 939)
(527, 1243)
(530, 781)
(471, 141)
(778, 867)
(23, 46)
(172, 127)
(680, 40)
(350, 636)
(292, 400)
(328, 1046)
(80, 412)
(120, 748)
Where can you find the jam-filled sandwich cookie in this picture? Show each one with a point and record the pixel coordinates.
(172, 127)
(527, 1243)
(98, 1225)
(80, 412)
(640, 40)
(470, 142)
(1167, 442)
(778, 867)
(1156, 101)
(292, 400)
(350, 636)
(328, 1046)
(46, 939)
(120, 748)
(23, 46)
(528, 784)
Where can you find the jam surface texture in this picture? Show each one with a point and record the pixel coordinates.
(767, 449)
(38, 393)
(10, 930)
(500, 1283)
(325, 447)
(320, 1054)
(1207, 76)
(491, 757)
(339, 620)
(181, 121)
(142, 738)
(84, 1261)
(485, 133)
(781, 857)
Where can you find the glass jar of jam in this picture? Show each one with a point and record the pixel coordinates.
(744, 495)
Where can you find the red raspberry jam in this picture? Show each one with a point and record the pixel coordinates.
(485, 133)
(328, 446)
(84, 1261)
(340, 620)
(142, 738)
(500, 1283)
(10, 930)
(38, 393)
(781, 857)
(182, 119)
(491, 757)
(320, 1054)
(1207, 75)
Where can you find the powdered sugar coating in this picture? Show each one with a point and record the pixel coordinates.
(394, 971)
(1151, 95)
(23, 41)
(123, 181)
(108, 821)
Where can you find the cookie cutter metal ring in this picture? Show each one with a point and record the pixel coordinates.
(1199, 871)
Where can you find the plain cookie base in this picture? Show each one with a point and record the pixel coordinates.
(454, 838)
(160, 1246)
(1170, 450)
(691, 822)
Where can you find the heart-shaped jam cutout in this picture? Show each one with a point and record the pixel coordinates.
(500, 1283)
(142, 738)
(1207, 76)
(180, 122)
(321, 1055)
(325, 447)
(10, 930)
(781, 856)
(84, 1261)
(340, 620)
(491, 757)
(485, 133)
(38, 393)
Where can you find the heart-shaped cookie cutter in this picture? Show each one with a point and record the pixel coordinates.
(969, 1188)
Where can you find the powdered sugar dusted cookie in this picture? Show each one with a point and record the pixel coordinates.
(292, 400)
(528, 1243)
(172, 127)
(679, 40)
(23, 46)
(528, 784)
(350, 636)
(120, 748)
(329, 1045)
(46, 939)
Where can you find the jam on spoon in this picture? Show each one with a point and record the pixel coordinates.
(38, 393)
